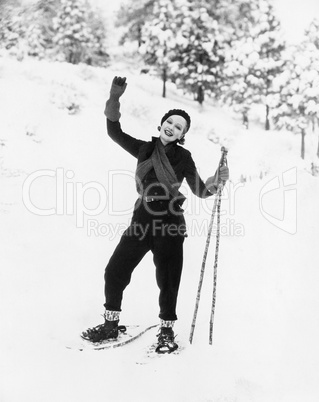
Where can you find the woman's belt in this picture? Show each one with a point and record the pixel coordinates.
(151, 198)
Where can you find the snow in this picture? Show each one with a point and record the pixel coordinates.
(266, 324)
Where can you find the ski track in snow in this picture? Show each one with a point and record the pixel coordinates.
(266, 322)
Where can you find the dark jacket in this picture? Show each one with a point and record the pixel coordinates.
(180, 159)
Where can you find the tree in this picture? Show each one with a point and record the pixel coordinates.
(158, 37)
(36, 45)
(199, 53)
(37, 36)
(181, 42)
(312, 35)
(234, 17)
(241, 89)
(27, 28)
(74, 37)
(272, 44)
(297, 99)
(46, 11)
(98, 55)
(12, 28)
(253, 62)
(133, 16)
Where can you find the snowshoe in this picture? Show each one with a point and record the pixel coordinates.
(166, 341)
(103, 332)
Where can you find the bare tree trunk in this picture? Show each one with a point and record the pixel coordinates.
(200, 94)
(267, 124)
(164, 78)
(303, 134)
(245, 119)
(139, 35)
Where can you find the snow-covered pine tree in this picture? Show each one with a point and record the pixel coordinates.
(97, 54)
(312, 32)
(12, 28)
(199, 52)
(27, 29)
(35, 35)
(238, 20)
(254, 61)
(269, 37)
(241, 86)
(35, 40)
(312, 35)
(297, 101)
(132, 16)
(74, 39)
(234, 18)
(46, 11)
(158, 38)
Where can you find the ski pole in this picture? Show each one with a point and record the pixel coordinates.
(224, 152)
(220, 187)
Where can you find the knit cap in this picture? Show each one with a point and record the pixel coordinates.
(178, 112)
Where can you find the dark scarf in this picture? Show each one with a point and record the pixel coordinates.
(163, 170)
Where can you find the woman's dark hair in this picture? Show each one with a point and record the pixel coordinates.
(178, 112)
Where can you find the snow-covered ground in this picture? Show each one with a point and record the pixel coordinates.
(267, 313)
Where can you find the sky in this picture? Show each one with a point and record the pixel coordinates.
(296, 15)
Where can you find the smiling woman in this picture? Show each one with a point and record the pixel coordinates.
(158, 223)
(174, 126)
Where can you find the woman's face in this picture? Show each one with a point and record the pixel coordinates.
(172, 129)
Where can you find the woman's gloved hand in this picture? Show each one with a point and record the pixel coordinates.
(112, 107)
(224, 173)
(221, 175)
(118, 87)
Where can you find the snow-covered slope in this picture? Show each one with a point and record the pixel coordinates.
(266, 322)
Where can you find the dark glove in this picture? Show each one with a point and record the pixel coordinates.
(112, 107)
(221, 175)
(118, 87)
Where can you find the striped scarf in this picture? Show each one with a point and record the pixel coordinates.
(163, 170)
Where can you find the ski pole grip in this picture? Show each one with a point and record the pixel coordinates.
(223, 160)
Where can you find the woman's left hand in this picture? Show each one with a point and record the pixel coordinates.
(224, 173)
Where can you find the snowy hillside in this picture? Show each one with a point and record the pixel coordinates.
(53, 142)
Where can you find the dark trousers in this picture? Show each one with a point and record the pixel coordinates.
(162, 233)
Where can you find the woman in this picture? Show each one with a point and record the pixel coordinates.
(158, 223)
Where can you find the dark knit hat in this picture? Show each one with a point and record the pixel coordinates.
(179, 112)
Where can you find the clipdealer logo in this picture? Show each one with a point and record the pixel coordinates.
(70, 196)
(284, 188)
(90, 199)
